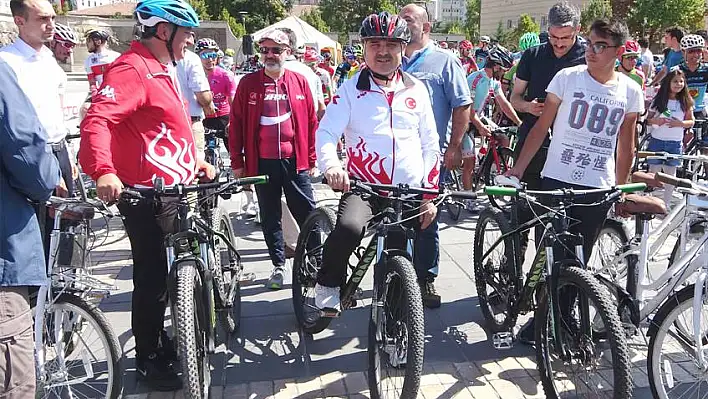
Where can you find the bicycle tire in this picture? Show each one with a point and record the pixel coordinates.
(615, 232)
(584, 281)
(487, 302)
(93, 315)
(230, 318)
(454, 207)
(665, 318)
(506, 161)
(190, 315)
(304, 275)
(411, 303)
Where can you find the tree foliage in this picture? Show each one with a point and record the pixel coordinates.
(237, 28)
(526, 24)
(501, 35)
(314, 18)
(651, 17)
(346, 15)
(471, 26)
(594, 10)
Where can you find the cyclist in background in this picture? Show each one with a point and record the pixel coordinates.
(466, 58)
(406, 155)
(358, 62)
(342, 72)
(312, 59)
(696, 72)
(326, 63)
(628, 58)
(526, 41)
(65, 40)
(484, 84)
(228, 61)
(480, 55)
(674, 56)
(101, 56)
(222, 85)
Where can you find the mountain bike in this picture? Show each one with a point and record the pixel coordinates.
(204, 274)
(396, 329)
(77, 353)
(495, 160)
(564, 296)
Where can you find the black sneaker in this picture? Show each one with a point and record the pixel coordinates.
(431, 299)
(158, 373)
(527, 334)
(167, 349)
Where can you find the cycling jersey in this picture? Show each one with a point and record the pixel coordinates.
(509, 76)
(354, 69)
(326, 80)
(636, 75)
(137, 126)
(697, 82)
(327, 67)
(481, 88)
(343, 72)
(96, 64)
(223, 88)
(480, 57)
(469, 64)
(390, 134)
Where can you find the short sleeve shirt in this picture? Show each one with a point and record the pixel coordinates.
(481, 88)
(446, 81)
(223, 88)
(587, 125)
(673, 58)
(697, 83)
(192, 79)
(538, 66)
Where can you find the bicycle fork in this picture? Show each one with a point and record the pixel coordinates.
(700, 296)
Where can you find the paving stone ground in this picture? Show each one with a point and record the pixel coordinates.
(270, 358)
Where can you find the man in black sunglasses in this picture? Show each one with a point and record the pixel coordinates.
(272, 132)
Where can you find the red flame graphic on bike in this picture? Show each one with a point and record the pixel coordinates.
(368, 166)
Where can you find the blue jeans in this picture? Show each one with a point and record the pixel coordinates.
(669, 146)
(283, 177)
(427, 246)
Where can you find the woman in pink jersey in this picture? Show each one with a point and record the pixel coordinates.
(222, 84)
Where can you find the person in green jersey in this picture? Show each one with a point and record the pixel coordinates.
(527, 40)
(628, 63)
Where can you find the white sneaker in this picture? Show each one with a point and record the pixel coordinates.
(252, 209)
(326, 297)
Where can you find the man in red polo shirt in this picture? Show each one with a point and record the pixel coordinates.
(272, 132)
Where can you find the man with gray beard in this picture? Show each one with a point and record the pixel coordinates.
(272, 132)
(446, 81)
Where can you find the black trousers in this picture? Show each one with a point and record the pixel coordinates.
(283, 177)
(532, 178)
(352, 218)
(147, 222)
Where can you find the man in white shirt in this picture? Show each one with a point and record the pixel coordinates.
(593, 110)
(647, 59)
(312, 79)
(41, 78)
(195, 89)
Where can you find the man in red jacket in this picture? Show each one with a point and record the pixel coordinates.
(272, 132)
(137, 129)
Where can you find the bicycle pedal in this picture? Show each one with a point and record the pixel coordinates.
(503, 340)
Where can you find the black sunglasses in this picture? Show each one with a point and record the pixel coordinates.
(274, 50)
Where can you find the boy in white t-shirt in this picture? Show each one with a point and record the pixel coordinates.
(593, 110)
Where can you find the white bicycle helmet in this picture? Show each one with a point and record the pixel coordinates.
(692, 41)
(64, 33)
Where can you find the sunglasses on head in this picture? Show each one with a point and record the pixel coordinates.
(209, 56)
(274, 50)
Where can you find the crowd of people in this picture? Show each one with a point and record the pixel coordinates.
(402, 107)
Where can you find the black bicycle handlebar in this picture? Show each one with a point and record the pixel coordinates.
(399, 190)
(179, 190)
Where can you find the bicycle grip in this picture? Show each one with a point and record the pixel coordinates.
(645, 154)
(498, 191)
(632, 187)
(463, 194)
(262, 179)
(673, 180)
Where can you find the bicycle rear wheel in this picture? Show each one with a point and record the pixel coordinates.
(672, 360)
(396, 333)
(590, 366)
(308, 260)
(82, 354)
(227, 266)
(191, 338)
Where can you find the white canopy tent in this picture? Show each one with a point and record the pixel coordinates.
(306, 34)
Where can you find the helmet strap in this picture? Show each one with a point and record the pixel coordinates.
(169, 42)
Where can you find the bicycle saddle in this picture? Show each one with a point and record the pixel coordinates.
(638, 204)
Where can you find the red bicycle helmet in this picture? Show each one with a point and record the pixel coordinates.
(311, 55)
(466, 45)
(631, 48)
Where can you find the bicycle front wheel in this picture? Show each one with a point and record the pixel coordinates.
(396, 333)
(82, 356)
(191, 338)
(578, 363)
(672, 362)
